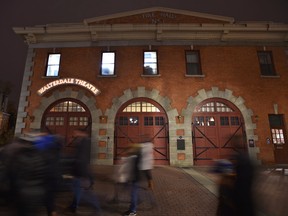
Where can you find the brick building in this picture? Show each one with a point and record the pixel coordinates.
(199, 86)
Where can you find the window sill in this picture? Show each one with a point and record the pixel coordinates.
(269, 76)
(197, 76)
(50, 77)
(150, 75)
(107, 76)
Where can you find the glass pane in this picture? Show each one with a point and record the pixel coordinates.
(133, 120)
(224, 120)
(235, 120)
(193, 69)
(49, 121)
(54, 59)
(192, 57)
(83, 121)
(108, 63)
(148, 120)
(159, 120)
(276, 120)
(53, 65)
(73, 121)
(107, 69)
(52, 70)
(150, 63)
(108, 57)
(210, 121)
(150, 57)
(123, 120)
(199, 121)
(59, 121)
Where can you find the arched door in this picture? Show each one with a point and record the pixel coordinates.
(140, 118)
(217, 131)
(63, 116)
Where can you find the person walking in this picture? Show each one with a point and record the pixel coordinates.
(82, 173)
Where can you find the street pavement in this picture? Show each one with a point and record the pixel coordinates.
(177, 191)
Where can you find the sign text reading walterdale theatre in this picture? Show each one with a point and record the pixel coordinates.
(70, 81)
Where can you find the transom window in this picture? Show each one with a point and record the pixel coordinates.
(141, 106)
(53, 65)
(193, 66)
(266, 63)
(67, 106)
(108, 64)
(214, 107)
(150, 63)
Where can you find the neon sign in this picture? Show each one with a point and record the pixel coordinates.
(66, 81)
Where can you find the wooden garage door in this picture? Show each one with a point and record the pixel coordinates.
(142, 118)
(217, 130)
(62, 117)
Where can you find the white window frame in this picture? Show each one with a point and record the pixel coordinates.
(108, 64)
(53, 65)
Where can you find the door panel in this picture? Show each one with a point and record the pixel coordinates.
(150, 124)
(217, 131)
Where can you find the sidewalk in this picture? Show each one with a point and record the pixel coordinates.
(178, 191)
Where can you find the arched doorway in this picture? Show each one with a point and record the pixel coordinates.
(138, 118)
(63, 116)
(217, 131)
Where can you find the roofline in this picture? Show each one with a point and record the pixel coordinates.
(164, 9)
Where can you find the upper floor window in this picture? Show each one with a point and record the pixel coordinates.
(193, 66)
(53, 65)
(150, 63)
(266, 63)
(108, 64)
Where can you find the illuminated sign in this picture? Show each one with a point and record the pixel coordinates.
(66, 81)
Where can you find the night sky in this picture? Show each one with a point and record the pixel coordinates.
(21, 13)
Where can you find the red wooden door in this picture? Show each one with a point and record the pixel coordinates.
(217, 131)
(63, 117)
(141, 118)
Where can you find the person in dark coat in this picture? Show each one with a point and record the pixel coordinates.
(82, 174)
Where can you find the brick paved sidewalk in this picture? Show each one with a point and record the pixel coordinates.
(176, 193)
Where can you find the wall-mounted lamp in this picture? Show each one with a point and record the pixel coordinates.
(192, 47)
(179, 117)
(150, 47)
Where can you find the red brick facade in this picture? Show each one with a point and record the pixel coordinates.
(230, 71)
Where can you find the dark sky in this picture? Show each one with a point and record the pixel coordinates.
(21, 13)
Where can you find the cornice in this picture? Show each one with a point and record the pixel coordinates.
(266, 32)
(89, 31)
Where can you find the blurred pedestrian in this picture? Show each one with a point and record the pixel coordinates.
(81, 172)
(245, 174)
(226, 188)
(27, 174)
(50, 146)
(147, 162)
(135, 157)
(142, 161)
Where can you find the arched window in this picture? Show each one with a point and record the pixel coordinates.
(213, 106)
(141, 106)
(67, 106)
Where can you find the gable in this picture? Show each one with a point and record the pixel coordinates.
(158, 15)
